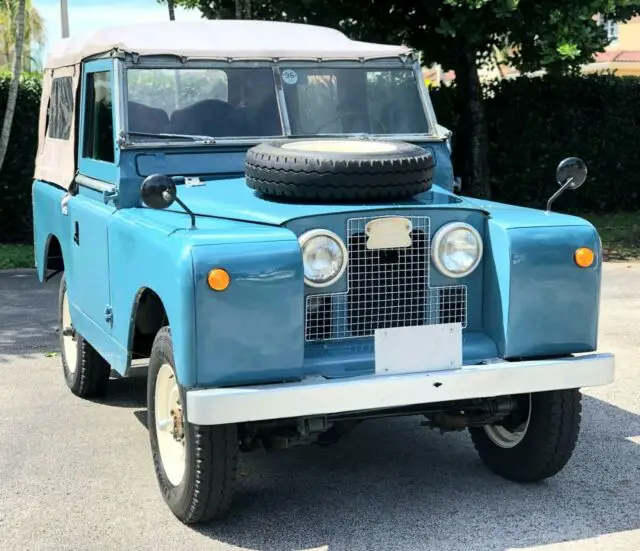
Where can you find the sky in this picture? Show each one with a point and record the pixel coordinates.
(88, 15)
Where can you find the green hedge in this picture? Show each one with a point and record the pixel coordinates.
(536, 122)
(17, 173)
(533, 124)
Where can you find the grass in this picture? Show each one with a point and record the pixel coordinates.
(16, 256)
(620, 233)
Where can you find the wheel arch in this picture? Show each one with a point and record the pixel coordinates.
(52, 258)
(148, 315)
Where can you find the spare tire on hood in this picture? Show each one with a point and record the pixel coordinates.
(339, 169)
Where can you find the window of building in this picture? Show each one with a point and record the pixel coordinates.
(60, 115)
(610, 26)
(612, 30)
(98, 127)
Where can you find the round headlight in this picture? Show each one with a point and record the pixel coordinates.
(457, 249)
(324, 257)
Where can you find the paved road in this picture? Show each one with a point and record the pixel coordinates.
(78, 475)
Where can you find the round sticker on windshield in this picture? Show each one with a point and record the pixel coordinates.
(289, 76)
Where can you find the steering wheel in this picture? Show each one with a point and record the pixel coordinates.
(383, 129)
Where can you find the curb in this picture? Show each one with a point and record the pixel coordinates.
(18, 271)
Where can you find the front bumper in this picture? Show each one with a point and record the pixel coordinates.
(320, 396)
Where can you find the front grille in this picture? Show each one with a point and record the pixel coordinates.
(385, 288)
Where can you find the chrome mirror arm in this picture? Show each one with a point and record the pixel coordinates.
(567, 185)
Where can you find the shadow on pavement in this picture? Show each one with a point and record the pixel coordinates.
(395, 485)
(28, 313)
(392, 484)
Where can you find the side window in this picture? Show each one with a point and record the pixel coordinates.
(98, 131)
(60, 113)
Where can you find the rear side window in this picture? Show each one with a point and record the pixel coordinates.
(61, 108)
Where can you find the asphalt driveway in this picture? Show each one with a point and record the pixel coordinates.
(76, 474)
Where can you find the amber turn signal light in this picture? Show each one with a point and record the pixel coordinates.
(218, 279)
(584, 257)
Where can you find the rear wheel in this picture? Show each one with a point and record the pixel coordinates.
(537, 441)
(85, 371)
(195, 465)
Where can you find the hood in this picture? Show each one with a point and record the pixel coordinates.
(233, 199)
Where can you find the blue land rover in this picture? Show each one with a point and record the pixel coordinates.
(265, 215)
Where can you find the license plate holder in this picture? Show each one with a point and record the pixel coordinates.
(417, 349)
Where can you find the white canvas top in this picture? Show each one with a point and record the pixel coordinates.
(240, 39)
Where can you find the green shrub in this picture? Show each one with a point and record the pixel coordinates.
(533, 124)
(17, 173)
(536, 122)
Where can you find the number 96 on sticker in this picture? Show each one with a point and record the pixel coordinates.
(289, 76)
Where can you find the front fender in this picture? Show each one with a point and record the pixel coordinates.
(537, 301)
(254, 330)
(145, 253)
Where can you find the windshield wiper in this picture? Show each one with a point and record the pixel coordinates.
(190, 137)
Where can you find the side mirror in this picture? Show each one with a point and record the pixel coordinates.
(571, 171)
(158, 191)
(571, 174)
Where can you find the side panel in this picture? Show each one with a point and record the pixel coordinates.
(48, 222)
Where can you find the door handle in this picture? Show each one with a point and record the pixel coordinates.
(76, 233)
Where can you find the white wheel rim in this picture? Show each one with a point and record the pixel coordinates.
(505, 438)
(170, 425)
(70, 346)
(341, 146)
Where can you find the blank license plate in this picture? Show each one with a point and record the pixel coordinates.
(418, 349)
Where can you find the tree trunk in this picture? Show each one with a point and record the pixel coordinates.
(14, 85)
(172, 10)
(472, 145)
(238, 9)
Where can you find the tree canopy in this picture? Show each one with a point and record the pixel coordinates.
(460, 35)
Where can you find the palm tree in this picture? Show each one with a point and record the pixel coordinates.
(34, 30)
(15, 81)
(172, 10)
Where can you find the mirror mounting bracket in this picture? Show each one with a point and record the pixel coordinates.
(567, 185)
(189, 212)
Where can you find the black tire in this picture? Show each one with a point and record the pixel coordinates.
(277, 171)
(206, 489)
(89, 376)
(548, 442)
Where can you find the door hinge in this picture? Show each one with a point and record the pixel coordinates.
(108, 196)
(108, 314)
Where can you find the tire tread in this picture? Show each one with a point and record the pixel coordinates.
(92, 372)
(215, 458)
(548, 445)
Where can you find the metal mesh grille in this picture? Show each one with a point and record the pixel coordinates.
(385, 288)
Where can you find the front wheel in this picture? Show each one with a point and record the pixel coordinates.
(537, 441)
(195, 465)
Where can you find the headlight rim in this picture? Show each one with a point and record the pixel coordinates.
(437, 240)
(307, 236)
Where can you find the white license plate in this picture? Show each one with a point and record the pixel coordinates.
(418, 349)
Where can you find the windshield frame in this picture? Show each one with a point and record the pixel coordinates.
(165, 62)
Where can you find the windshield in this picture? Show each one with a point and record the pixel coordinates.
(353, 100)
(242, 102)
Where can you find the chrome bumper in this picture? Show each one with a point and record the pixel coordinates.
(320, 396)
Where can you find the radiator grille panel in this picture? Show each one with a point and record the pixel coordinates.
(385, 288)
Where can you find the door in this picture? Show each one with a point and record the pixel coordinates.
(89, 216)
